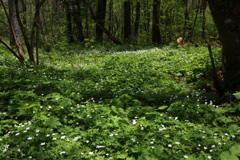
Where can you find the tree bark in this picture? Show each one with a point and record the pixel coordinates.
(226, 15)
(29, 42)
(127, 20)
(107, 32)
(101, 14)
(156, 36)
(110, 18)
(69, 21)
(77, 20)
(195, 21)
(14, 23)
(137, 20)
(204, 7)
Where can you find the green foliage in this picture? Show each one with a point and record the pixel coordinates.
(114, 104)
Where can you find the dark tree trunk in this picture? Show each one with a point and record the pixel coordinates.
(137, 20)
(148, 17)
(29, 42)
(226, 15)
(76, 16)
(107, 32)
(69, 21)
(127, 20)
(14, 23)
(42, 27)
(101, 14)
(156, 36)
(110, 18)
(186, 27)
(204, 7)
(195, 21)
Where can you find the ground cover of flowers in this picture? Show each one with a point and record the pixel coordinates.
(110, 104)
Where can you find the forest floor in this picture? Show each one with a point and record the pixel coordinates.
(115, 103)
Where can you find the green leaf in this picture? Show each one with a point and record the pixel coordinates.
(53, 122)
(122, 156)
(225, 119)
(27, 106)
(162, 107)
(114, 109)
(228, 156)
(146, 123)
(191, 158)
(220, 110)
(237, 95)
(235, 149)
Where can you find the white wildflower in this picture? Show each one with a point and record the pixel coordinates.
(90, 153)
(177, 142)
(134, 122)
(30, 138)
(63, 152)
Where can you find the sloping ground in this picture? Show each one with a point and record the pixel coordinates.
(91, 104)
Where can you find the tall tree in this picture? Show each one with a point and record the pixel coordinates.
(110, 16)
(137, 19)
(34, 35)
(14, 23)
(127, 20)
(186, 27)
(101, 14)
(204, 7)
(156, 36)
(77, 19)
(105, 30)
(226, 15)
(69, 20)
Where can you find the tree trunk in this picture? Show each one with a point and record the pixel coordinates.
(76, 16)
(156, 36)
(137, 20)
(42, 27)
(69, 21)
(195, 21)
(101, 14)
(127, 20)
(186, 27)
(226, 15)
(14, 23)
(110, 18)
(107, 32)
(34, 31)
(204, 7)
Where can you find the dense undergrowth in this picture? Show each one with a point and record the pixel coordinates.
(115, 103)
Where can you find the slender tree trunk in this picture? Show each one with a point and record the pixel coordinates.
(226, 15)
(156, 36)
(186, 27)
(137, 20)
(110, 18)
(127, 20)
(204, 7)
(69, 21)
(101, 14)
(76, 16)
(42, 27)
(34, 31)
(107, 32)
(14, 23)
(195, 20)
(19, 54)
